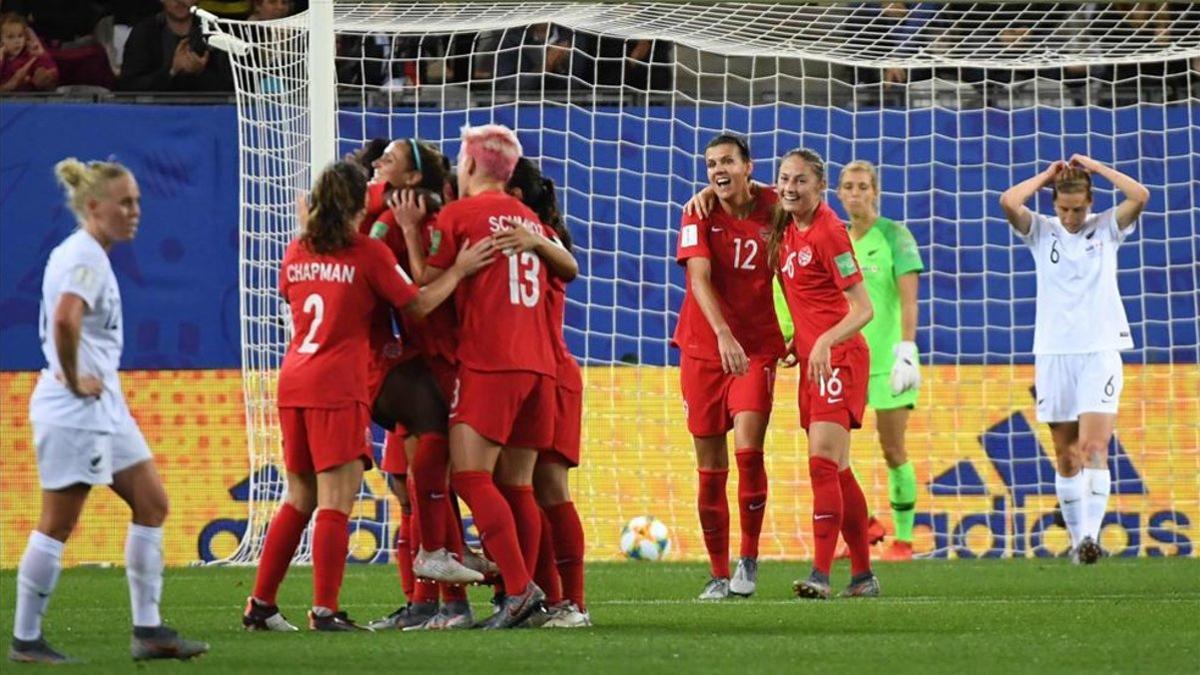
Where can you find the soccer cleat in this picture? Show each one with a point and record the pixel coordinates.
(899, 551)
(160, 642)
(441, 566)
(875, 531)
(35, 651)
(864, 588)
(745, 578)
(815, 587)
(717, 588)
(515, 608)
(1088, 552)
(452, 616)
(406, 617)
(537, 618)
(265, 617)
(337, 622)
(567, 614)
(472, 560)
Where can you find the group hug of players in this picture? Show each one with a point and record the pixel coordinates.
(484, 401)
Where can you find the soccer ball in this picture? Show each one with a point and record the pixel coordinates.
(645, 538)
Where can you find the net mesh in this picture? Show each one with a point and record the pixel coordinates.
(954, 102)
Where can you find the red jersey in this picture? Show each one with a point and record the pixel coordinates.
(569, 375)
(437, 333)
(333, 299)
(815, 265)
(502, 318)
(741, 279)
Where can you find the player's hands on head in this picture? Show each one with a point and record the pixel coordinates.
(733, 358)
(410, 207)
(702, 203)
(471, 259)
(515, 240)
(1081, 161)
(1053, 170)
(86, 386)
(819, 359)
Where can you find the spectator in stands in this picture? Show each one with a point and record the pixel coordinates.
(643, 65)
(269, 10)
(525, 59)
(230, 9)
(24, 64)
(1139, 23)
(66, 29)
(166, 53)
(127, 14)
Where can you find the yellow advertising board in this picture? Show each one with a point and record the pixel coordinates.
(984, 468)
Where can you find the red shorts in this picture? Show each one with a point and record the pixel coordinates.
(840, 398)
(319, 439)
(513, 408)
(568, 421)
(712, 397)
(394, 460)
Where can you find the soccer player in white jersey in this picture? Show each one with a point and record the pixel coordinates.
(1080, 330)
(82, 428)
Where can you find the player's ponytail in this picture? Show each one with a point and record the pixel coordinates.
(780, 219)
(1072, 180)
(338, 196)
(83, 182)
(537, 192)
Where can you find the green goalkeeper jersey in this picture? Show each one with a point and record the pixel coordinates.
(781, 312)
(885, 252)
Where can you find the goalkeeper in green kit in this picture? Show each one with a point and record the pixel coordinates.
(887, 254)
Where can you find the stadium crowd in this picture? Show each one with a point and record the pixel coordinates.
(155, 46)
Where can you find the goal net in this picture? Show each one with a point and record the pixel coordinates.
(953, 102)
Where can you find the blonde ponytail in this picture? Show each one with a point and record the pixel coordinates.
(87, 181)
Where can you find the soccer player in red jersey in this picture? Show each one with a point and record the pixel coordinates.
(504, 393)
(332, 278)
(413, 383)
(559, 569)
(812, 254)
(730, 345)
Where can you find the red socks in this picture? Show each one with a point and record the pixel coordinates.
(283, 536)
(713, 505)
(428, 471)
(404, 554)
(827, 510)
(528, 519)
(752, 498)
(568, 549)
(331, 540)
(854, 523)
(494, 520)
(546, 574)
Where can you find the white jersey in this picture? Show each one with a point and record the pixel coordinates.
(1079, 308)
(80, 266)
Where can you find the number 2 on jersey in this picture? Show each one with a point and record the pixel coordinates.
(313, 304)
(523, 279)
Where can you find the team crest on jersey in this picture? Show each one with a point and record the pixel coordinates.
(804, 256)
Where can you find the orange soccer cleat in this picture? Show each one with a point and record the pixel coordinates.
(899, 551)
(875, 534)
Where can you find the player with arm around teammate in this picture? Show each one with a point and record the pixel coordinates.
(728, 355)
(83, 431)
(332, 278)
(1079, 331)
(811, 252)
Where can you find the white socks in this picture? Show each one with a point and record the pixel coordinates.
(1070, 493)
(1098, 485)
(36, 577)
(144, 571)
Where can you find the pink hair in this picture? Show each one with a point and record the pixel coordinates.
(495, 149)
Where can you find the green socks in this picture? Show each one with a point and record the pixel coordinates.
(902, 492)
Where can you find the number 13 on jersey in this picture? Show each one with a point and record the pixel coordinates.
(523, 288)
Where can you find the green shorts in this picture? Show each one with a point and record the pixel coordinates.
(880, 397)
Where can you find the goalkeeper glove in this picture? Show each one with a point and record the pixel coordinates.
(906, 371)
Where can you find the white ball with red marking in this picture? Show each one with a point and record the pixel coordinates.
(645, 538)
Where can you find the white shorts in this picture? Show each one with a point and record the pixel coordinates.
(1069, 385)
(69, 456)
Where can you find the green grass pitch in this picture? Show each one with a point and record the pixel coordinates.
(964, 616)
